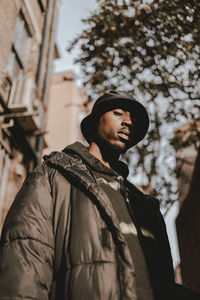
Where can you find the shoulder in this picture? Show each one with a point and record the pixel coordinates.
(57, 158)
(43, 188)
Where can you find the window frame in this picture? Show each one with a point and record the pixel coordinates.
(42, 5)
(15, 46)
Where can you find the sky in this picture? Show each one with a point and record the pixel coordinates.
(69, 27)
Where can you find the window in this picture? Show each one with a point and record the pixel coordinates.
(14, 67)
(5, 88)
(18, 58)
(22, 40)
(15, 73)
(4, 171)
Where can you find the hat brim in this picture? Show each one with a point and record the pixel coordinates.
(88, 124)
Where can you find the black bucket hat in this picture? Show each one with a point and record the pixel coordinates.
(113, 100)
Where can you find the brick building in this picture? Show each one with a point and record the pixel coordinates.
(27, 37)
(188, 220)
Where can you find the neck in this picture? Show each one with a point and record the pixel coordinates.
(106, 156)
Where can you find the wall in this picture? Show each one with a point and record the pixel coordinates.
(65, 109)
(27, 37)
(188, 220)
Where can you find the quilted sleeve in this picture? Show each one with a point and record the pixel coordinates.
(27, 243)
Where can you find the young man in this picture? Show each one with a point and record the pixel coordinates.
(79, 230)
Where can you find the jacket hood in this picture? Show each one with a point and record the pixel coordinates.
(119, 168)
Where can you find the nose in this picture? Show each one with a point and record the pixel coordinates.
(127, 120)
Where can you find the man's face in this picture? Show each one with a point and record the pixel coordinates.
(116, 128)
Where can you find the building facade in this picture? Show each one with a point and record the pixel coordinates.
(188, 219)
(67, 105)
(27, 37)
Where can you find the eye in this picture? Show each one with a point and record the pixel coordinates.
(118, 113)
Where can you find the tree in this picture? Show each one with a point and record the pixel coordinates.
(150, 49)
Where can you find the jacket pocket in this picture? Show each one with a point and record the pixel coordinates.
(106, 238)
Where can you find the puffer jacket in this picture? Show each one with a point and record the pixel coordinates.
(62, 239)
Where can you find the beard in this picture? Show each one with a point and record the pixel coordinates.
(108, 149)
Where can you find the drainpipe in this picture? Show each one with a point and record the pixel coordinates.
(45, 69)
(51, 51)
(44, 47)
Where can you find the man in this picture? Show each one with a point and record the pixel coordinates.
(79, 230)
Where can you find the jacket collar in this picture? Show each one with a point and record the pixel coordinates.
(119, 168)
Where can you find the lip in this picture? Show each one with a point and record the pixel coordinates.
(124, 135)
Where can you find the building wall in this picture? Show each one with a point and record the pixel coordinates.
(178, 278)
(27, 37)
(8, 15)
(185, 166)
(188, 220)
(188, 231)
(65, 108)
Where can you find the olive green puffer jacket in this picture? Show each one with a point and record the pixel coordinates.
(61, 239)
